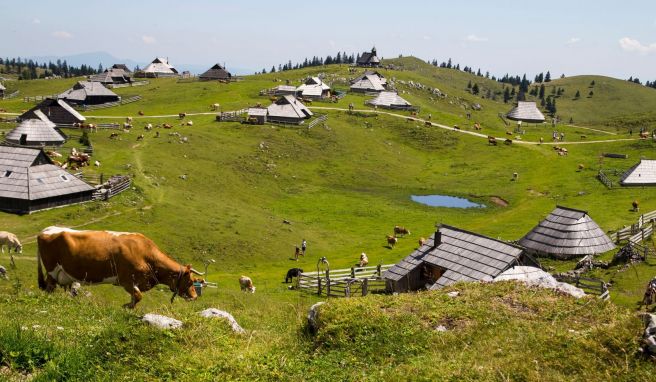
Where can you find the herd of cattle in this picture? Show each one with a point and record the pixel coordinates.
(130, 260)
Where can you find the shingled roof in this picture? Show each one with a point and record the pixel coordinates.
(313, 87)
(36, 132)
(370, 82)
(369, 58)
(216, 72)
(112, 76)
(526, 112)
(567, 233)
(462, 255)
(288, 107)
(57, 110)
(28, 174)
(83, 90)
(160, 66)
(389, 100)
(641, 174)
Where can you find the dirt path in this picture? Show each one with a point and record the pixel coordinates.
(472, 132)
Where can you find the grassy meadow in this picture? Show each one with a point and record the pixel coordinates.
(343, 187)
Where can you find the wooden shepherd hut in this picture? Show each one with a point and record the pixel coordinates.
(526, 112)
(257, 115)
(390, 100)
(288, 109)
(37, 132)
(641, 174)
(29, 182)
(369, 59)
(567, 233)
(89, 93)
(452, 255)
(160, 67)
(215, 73)
(112, 76)
(313, 88)
(369, 82)
(57, 110)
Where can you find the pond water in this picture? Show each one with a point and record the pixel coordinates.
(445, 201)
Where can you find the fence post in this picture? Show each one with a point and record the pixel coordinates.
(378, 267)
(365, 287)
(327, 282)
(319, 286)
(352, 272)
(101, 178)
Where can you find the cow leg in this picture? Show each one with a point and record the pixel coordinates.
(51, 283)
(136, 295)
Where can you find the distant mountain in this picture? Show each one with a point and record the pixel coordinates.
(106, 59)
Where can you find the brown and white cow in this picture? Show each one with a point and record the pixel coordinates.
(398, 230)
(246, 284)
(130, 260)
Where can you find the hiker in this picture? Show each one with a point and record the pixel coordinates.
(303, 246)
(430, 116)
(562, 136)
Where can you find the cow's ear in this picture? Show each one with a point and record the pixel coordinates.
(188, 268)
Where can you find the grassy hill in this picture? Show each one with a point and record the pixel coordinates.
(343, 187)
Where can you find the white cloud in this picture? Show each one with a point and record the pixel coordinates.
(36, 21)
(148, 39)
(474, 38)
(631, 45)
(62, 34)
(573, 41)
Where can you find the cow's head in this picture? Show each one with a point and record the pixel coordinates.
(184, 285)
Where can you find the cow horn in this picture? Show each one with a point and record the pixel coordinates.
(196, 272)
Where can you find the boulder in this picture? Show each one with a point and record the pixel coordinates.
(313, 316)
(161, 322)
(213, 312)
(537, 277)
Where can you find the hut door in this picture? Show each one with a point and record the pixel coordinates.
(23, 139)
(431, 273)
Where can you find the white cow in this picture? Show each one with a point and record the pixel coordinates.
(10, 240)
(246, 284)
(364, 260)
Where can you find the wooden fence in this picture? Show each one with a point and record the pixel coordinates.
(590, 286)
(231, 116)
(348, 282)
(114, 186)
(604, 179)
(322, 119)
(136, 83)
(638, 232)
(39, 98)
(11, 95)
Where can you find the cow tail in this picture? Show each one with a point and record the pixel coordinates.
(42, 280)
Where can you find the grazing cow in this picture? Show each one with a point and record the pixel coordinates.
(583, 136)
(157, 134)
(246, 284)
(114, 135)
(293, 272)
(421, 242)
(190, 123)
(127, 126)
(509, 133)
(53, 154)
(541, 140)
(9, 240)
(3, 273)
(140, 137)
(477, 126)
(167, 126)
(581, 166)
(148, 127)
(96, 163)
(182, 115)
(428, 123)
(391, 241)
(635, 205)
(364, 260)
(215, 106)
(455, 127)
(508, 141)
(128, 119)
(130, 260)
(141, 112)
(644, 135)
(92, 127)
(398, 230)
(491, 140)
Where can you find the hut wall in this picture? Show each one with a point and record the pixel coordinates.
(15, 206)
(59, 201)
(295, 121)
(410, 282)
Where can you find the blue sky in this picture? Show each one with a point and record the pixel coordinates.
(616, 38)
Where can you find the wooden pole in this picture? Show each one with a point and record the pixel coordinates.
(365, 287)
(319, 286)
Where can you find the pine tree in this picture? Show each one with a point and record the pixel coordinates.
(591, 93)
(475, 89)
(506, 95)
(541, 93)
(547, 77)
(469, 85)
(577, 95)
(592, 83)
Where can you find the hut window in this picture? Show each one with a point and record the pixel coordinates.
(64, 178)
(6, 174)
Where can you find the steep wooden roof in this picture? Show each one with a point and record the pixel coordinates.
(83, 89)
(527, 112)
(389, 100)
(160, 66)
(370, 81)
(567, 233)
(29, 174)
(216, 72)
(641, 174)
(38, 132)
(464, 255)
(368, 58)
(57, 110)
(289, 107)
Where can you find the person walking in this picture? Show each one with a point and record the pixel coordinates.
(297, 252)
(304, 246)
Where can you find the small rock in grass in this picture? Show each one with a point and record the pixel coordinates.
(313, 316)
(453, 294)
(213, 312)
(441, 328)
(161, 322)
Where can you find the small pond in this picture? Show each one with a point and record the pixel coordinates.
(445, 201)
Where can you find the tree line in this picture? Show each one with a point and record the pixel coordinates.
(339, 58)
(30, 69)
